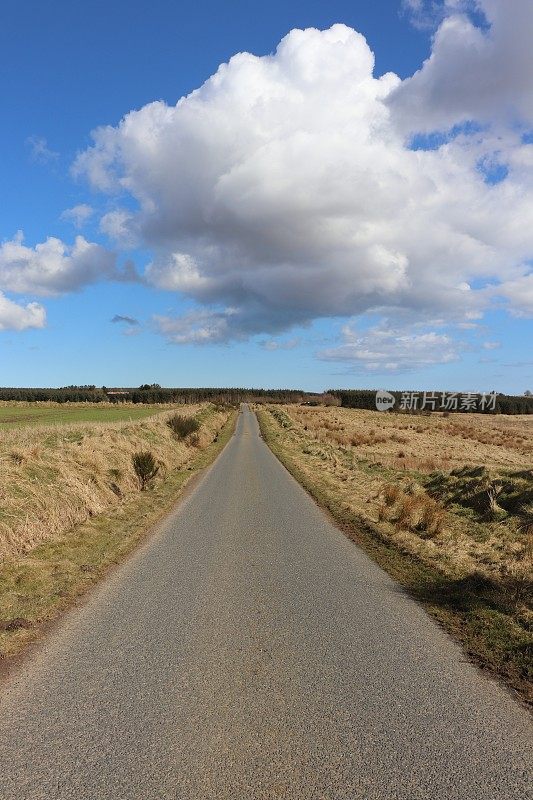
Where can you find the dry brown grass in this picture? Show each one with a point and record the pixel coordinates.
(35, 586)
(357, 455)
(55, 477)
(449, 513)
(414, 512)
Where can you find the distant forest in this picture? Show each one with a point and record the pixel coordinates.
(349, 398)
(503, 403)
(152, 393)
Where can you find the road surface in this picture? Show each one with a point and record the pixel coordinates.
(249, 650)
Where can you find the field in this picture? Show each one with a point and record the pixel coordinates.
(71, 502)
(17, 414)
(445, 503)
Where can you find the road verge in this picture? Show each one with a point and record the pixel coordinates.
(471, 611)
(37, 586)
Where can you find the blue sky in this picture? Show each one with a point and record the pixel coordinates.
(246, 293)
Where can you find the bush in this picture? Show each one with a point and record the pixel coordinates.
(432, 518)
(182, 426)
(145, 468)
(391, 494)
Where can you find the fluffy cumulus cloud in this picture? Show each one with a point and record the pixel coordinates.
(386, 349)
(473, 73)
(53, 267)
(287, 188)
(15, 317)
(300, 185)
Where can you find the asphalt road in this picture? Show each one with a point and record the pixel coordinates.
(249, 650)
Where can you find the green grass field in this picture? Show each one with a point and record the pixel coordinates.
(20, 414)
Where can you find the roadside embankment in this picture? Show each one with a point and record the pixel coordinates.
(72, 503)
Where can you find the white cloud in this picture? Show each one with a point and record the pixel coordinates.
(78, 215)
(284, 189)
(14, 317)
(427, 14)
(118, 225)
(519, 293)
(491, 345)
(472, 74)
(54, 267)
(384, 349)
(178, 272)
(195, 327)
(40, 151)
(273, 345)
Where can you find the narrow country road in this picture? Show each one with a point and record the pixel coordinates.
(249, 650)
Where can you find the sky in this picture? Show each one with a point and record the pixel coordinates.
(300, 194)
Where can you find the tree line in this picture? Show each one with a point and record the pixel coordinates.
(503, 403)
(152, 393)
(155, 394)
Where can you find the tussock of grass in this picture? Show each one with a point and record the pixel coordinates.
(182, 426)
(451, 519)
(280, 417)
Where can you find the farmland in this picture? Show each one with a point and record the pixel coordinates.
(20, 414)
(445, 503)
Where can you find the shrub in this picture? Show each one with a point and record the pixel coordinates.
(391, 494)
(417, 512)
(17, 456)
(182, 426)
(432, 518)
(407, 507)
(145, 468)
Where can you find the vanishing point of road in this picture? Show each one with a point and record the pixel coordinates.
(249, 650)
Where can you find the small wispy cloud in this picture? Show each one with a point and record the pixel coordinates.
(383, 349)
(125, 319)
(118, 225)
(39, 150)
(78, 215)
(130, 325)
(428, 14)
(274, 344)
(200, 326)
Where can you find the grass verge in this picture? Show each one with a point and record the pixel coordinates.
(35, 588)
(472, 609)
